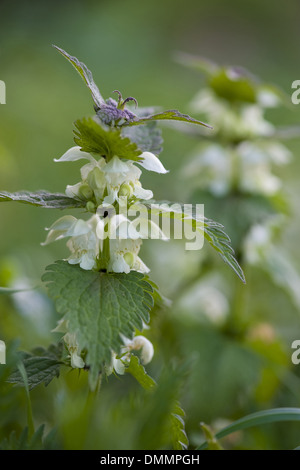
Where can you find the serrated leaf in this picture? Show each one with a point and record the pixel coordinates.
(94, 137)
(176, 418)
(212, 231)
(171, 115)
(179, 437)
(85, 74)
(41, 366)
(99, 308)
(42, 199)
(24, 442)
(148, 137)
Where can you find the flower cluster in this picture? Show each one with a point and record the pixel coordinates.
(245, 148)
(107, 186)
(108, 240)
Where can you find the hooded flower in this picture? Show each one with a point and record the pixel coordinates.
(72, 345)
(83, 244)
(138, 343)
(109, 180)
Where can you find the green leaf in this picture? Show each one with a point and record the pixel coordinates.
(99, 308)
(212, 231)
(24, 442)
(42, 199)
(41, 366)
(274, 415)
(94, 137)
(171, 115)
(234, 84)
(238, 212)
(25, 382)
(212, 443)
(148, 137)
(176, 422)
(85, 74)
(179, 437)
(136, 369)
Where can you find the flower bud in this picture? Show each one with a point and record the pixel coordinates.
(86, 191)
(90, 206)
(126, 190)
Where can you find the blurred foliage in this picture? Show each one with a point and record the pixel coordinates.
(235, 367)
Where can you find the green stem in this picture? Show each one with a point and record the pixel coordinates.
(30, 423)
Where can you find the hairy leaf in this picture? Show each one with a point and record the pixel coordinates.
(176, 424)
(179, 437)
(41, 366)
(212, 231)
(171, 115)
(94, 137)
(99, 308)
(85, 74)
(148, 137)
(42, 199)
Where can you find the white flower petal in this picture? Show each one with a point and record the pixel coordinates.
(142, 193)
(73, 190)
(64, 223)
(86, 169)
(147, 350)
(118, 366)
(74, 154)
(53, 236)
(140, 266)
(151, 162)
(116, 165)
(80, 228)
(76, 361)
(118, 264)
(87, 262)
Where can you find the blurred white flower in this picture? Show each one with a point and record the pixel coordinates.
(72, 345)
(205, 300)
(138, 343)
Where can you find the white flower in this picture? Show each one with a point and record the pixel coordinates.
(211, 168)
(83, 244)
(113, 176)
(124, 256)
(244, 122)
(72, 345)
(125, 242)
(73, 154)
(138, 343)
(151, 162)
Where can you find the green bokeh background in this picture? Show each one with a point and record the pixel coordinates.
(130, 46)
